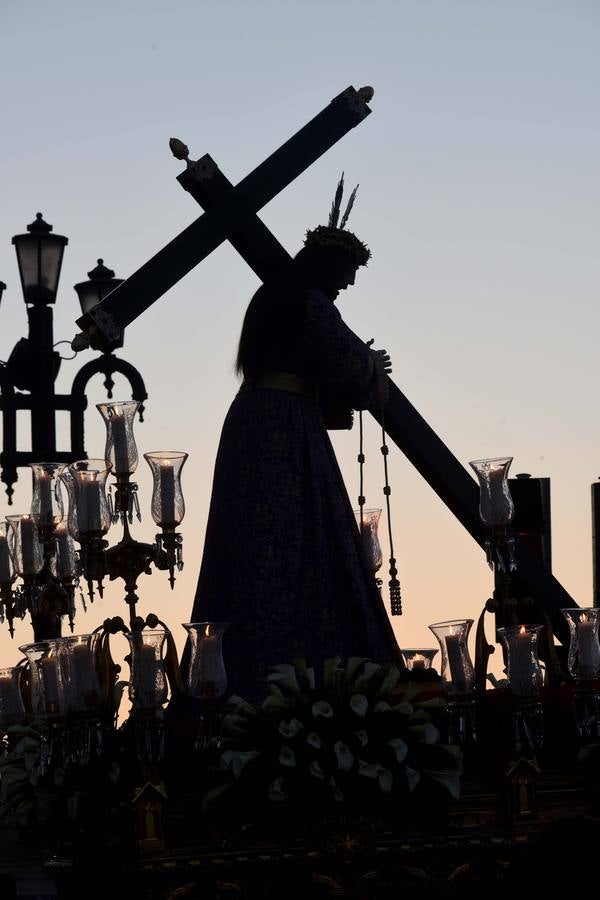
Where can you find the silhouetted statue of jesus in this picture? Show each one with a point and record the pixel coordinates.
(282, 557)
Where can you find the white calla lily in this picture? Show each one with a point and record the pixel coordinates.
(287, 757)
(313, 740)
(276, 792)
(290, 729)
(344, 756)
(359, 705)
(323, 709)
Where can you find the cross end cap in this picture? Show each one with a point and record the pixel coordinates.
(178, 148)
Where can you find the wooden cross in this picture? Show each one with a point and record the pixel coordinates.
(231, 214)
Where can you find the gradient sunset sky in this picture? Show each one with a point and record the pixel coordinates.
(479, 197)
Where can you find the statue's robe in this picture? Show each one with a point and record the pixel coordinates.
(282, 557)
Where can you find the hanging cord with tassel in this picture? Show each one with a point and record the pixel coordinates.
(361, 466)
(394, 584)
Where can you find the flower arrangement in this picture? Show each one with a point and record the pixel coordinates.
(351, 735)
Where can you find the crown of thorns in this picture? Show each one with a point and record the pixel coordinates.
(332, 235)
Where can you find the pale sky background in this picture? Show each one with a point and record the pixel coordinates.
(479, 198)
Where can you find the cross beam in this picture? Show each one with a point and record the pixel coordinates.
(231, 214)
(404, 425)
(198, 240)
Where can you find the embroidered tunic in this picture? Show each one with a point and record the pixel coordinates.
(282, 558)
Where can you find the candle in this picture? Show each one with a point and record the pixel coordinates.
(11, 705)
(147, 681)
(84, 676)
(5, 573)
(458, 675)
(589, 648)
(167, 493)
(521, 666)
(88, 502)
(418, 661)
(29, 539)
(44, 487)
(49, 673)
(65, 552)
(120, 447)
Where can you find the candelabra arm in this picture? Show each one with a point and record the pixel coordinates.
(483, 649)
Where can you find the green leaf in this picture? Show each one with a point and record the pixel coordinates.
(330, 667)
(390, 681)
(427, 732)
(237, 760)
(276, 791)
(215, 794)
(451, 782)
(353, 665)
(370, 670)
(412, 778)
(285, 677)
(400, 749)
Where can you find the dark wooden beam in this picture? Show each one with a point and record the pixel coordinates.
(198, 240)
(404, 425)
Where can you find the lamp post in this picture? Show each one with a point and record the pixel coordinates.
(27, 380)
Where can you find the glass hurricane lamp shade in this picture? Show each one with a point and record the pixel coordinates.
(121, 450)
(46, 503)
(584, 647)
(39, 255)
(206, 677)
(47, 695)
(525, 678)
(27, 551)
(5, 560)
(148, 683)
(496, 510)
(369, 537)
(12, 711)
(168, 507)
(78, 676)
(66, 556)
(457, 672)
(89, 513)
(418, 659)
(496, 507)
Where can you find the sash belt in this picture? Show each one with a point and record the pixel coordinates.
(280, 381)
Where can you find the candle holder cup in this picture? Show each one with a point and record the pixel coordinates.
(419, 660)
(12, 709)
(584, 667)
(525, 681)
(458, 676)
(206, 679)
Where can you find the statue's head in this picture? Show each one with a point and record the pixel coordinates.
(329, 268)
(331, 254)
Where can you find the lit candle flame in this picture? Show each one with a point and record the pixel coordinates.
(584, 618)
(207, 631)
(522, 630)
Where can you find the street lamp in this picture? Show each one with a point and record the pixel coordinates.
(27, 380)
(101, 282)
(39, 254)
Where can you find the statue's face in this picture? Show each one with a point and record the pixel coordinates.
(343, 276)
